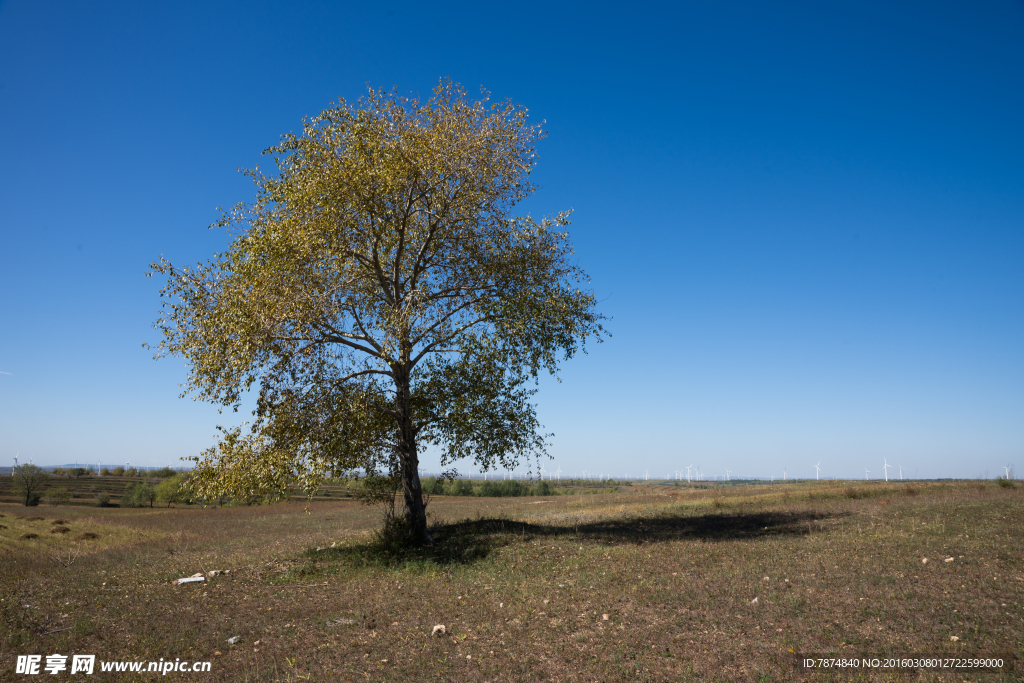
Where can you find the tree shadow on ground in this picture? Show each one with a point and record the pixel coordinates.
(471, 540)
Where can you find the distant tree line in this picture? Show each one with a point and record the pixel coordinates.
(73, 472)
(508, 488)
(32, 482)
(119, 471)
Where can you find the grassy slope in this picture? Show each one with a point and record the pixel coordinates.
(523, 586)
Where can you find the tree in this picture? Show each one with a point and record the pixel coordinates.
(28, 480)
(145, 493)
(138, 495)
(383, 297)
(169, 490)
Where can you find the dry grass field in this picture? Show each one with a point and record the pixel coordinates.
(654, 584)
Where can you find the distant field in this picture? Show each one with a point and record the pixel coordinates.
(650, 583)
(84, 489)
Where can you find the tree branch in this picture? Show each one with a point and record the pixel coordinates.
(353, 375)
(429, 347)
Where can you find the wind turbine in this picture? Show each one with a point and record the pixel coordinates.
(783, 474)
(542, 472)
(817, 471)
(1007, 468)
(558, 474)
(688, 471)
(866, 470)
(901, 472)
(885, 468)
(727, 473)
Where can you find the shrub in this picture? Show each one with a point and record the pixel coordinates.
(102, 500)
(1005, 482)
(393, 535)
(544, 489)
(439, 486)
(503, 489)
(127, 498)
(462, 487)
(514, 487)
(58, 496)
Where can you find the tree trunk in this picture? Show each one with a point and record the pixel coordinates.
(412, 490)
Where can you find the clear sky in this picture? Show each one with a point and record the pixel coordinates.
(806, 221)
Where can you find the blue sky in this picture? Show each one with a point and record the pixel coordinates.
(806, 221)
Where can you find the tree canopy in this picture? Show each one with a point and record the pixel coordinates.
(29, 480)
(379, 295)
